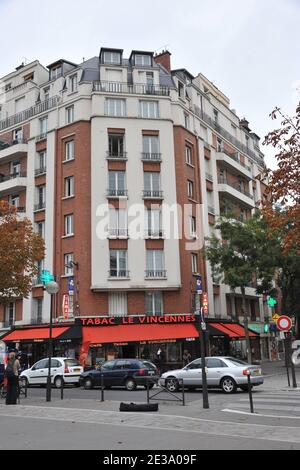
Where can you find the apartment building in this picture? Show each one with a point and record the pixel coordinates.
(101, 156)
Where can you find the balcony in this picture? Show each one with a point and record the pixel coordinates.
(39, 108)
(40, 171)
(156, 274)
(118, 274)
(154, 234)
(211, 210)
(230, 159)
(132, 89)
(14, 149)
(41, 137)
(236, 191)
(152, 157)
(121, 156)
(40, 206)
(152, 194)
(14, 182)
(118, 233)
(116, 193)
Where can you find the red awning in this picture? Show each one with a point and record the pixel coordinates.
(233, 330)
(33, 333)
(134, 333)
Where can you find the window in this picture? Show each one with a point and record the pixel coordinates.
(220, 145)
(38, 311)
(216, 116)
(149, 82)
(46, 93)
(154, 303)
(40, 228)
(68, 264)
(181, 90)
(43, 125)
(116, 145)
(41, 267)
(69, 186)
(116, 183)
(56, 72)
(112, 58)
(149, 109)
(190, 187)
(41, 161)
(115, 107)
(143, 60)
(151, 146)
(8, 87)
(73, 83)
(18, 135)
(118, 263)
(188, 155)
(117, 304)
(70, 150)
(14, 200)
(186, 121)
(69, 225)
(15, 168)
(40, 197)
(193, 227)
(213, 363)
(155, 264)
(194, 263)
(153, 223)
(10, 314)
(70, 114)
(152, 181)
(118, 222)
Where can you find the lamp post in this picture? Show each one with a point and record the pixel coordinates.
(52, 288)
(200, 313)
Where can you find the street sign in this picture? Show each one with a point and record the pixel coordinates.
(205, 303)
(284, 323)
(65, 306)
(199, 285)
(71, 286)
(275, 317)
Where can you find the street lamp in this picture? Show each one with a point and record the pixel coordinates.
(52, 288)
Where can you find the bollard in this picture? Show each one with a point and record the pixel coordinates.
(148, 395)
(250, 392)
(102, 387)
(26, 388)
(62, 390)
(183, 394)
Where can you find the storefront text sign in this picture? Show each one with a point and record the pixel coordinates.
(138, 320)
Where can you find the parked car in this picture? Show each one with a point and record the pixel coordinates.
(128, 373)
(226, 373)
(63, 369)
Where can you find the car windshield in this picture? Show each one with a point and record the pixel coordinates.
(236, 362)
(71, 363)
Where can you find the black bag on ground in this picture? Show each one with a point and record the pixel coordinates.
(138, 407)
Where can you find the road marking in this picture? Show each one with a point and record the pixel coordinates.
(228, 410)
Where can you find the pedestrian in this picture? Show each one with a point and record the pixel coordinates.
(186, 357)
(160, 360)
(12, 377)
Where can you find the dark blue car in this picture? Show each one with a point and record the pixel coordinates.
(128, 373)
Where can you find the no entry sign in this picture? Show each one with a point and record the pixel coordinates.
(284, 323)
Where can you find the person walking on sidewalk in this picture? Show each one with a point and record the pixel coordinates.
(12, 377)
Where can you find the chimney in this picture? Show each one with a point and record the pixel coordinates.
(164, 59)
(245, 124)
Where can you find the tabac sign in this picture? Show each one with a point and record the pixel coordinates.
(139, 320)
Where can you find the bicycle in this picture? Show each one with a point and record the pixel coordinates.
(22, 390)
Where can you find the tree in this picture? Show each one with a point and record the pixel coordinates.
(242, 255)
(20, 250)
(284, 182)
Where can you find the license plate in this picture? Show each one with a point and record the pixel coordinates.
(256, 373)
(151, 372)
(76, 370)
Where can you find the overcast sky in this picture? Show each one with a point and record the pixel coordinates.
(248, 48)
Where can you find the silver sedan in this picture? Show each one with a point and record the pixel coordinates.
(226, 373)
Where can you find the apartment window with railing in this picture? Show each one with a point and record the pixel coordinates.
(10, 314)
(15, 168)
(40, 228)
(193, 227)
(151, 147)
(190, 189)
(155, 264)
(73, 83)
(69, 186)
(117, 223)
(38, 312)
(154, 303)
(118, 264)
(149, 109)
(115, 107)
(117, 183)
(69, 225)
(43, 125)
(69, 150)
(40, 197)
(149, 81)
(153, 223)
(116, 145)
(68, 264)
(41, 162)
(194, 263)
(152, 184)
(18, 135)
(70, 114)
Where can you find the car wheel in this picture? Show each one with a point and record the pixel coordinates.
(172, 384)
(88, 384)
(130, 385)
(58, 382)
(228, 385)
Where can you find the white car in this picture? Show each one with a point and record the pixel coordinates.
(63, 369)
(226, 373)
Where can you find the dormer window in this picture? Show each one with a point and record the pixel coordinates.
(181, 90)
(143, 60)
(73, 83)
(110, 57)
(29, 77)
(56, 72)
